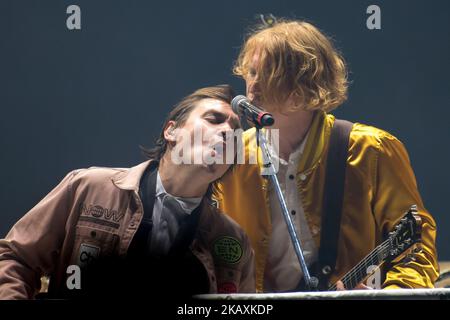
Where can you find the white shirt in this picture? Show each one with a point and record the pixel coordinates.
(167, 205)
(283, 271)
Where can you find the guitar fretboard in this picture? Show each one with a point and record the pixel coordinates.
(357, 274)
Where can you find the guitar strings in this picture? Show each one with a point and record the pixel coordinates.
(359, 268)
(352, 276)
(360, 272)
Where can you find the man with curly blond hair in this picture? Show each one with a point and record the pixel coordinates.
(293, 71)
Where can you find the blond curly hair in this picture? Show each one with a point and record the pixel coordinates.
(296, 61)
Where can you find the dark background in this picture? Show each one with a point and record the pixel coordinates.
(72, 99)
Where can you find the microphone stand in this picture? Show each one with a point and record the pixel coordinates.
(311, 283)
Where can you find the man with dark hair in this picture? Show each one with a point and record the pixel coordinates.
(293, 71)
(153, 226)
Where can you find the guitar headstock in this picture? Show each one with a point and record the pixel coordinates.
(406, 233)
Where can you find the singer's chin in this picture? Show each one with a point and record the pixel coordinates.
(210, 168)
(215, 171)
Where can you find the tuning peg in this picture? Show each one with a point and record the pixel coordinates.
(410, 258)
(393, 252)
(418, 249)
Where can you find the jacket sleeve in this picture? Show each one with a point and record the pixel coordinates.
(395, 191)
(32, 245)
(248, 281)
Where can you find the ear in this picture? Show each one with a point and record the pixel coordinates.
(169, 131)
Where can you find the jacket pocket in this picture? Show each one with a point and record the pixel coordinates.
(91, 244)
(228, 279)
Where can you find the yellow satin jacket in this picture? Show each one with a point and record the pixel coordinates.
(380, 187)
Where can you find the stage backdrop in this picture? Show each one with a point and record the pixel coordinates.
(74, 98)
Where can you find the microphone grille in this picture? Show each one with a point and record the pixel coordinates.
(236, 102)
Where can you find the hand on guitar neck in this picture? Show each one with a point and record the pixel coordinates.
(404, 237)
(340, 286)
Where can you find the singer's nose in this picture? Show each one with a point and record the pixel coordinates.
(229, 141)
(225, 129)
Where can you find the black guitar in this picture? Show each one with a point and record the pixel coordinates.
(405, 234)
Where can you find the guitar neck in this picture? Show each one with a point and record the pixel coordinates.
(359, 272)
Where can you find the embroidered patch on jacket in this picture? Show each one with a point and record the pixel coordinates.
(100, 215)
(87, 254)
(228, 249)
(227, 287)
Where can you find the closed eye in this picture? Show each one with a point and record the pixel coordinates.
(215, 118)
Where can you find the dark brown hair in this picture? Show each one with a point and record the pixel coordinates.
(181, 112)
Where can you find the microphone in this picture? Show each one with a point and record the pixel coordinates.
(254, 114)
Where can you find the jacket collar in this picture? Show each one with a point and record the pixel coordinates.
(316, 142)
(130, 178)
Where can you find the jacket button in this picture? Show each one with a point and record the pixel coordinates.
(93, 234)
(326, 270)
(315, 230)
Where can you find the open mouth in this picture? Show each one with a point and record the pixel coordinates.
(219, 147)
